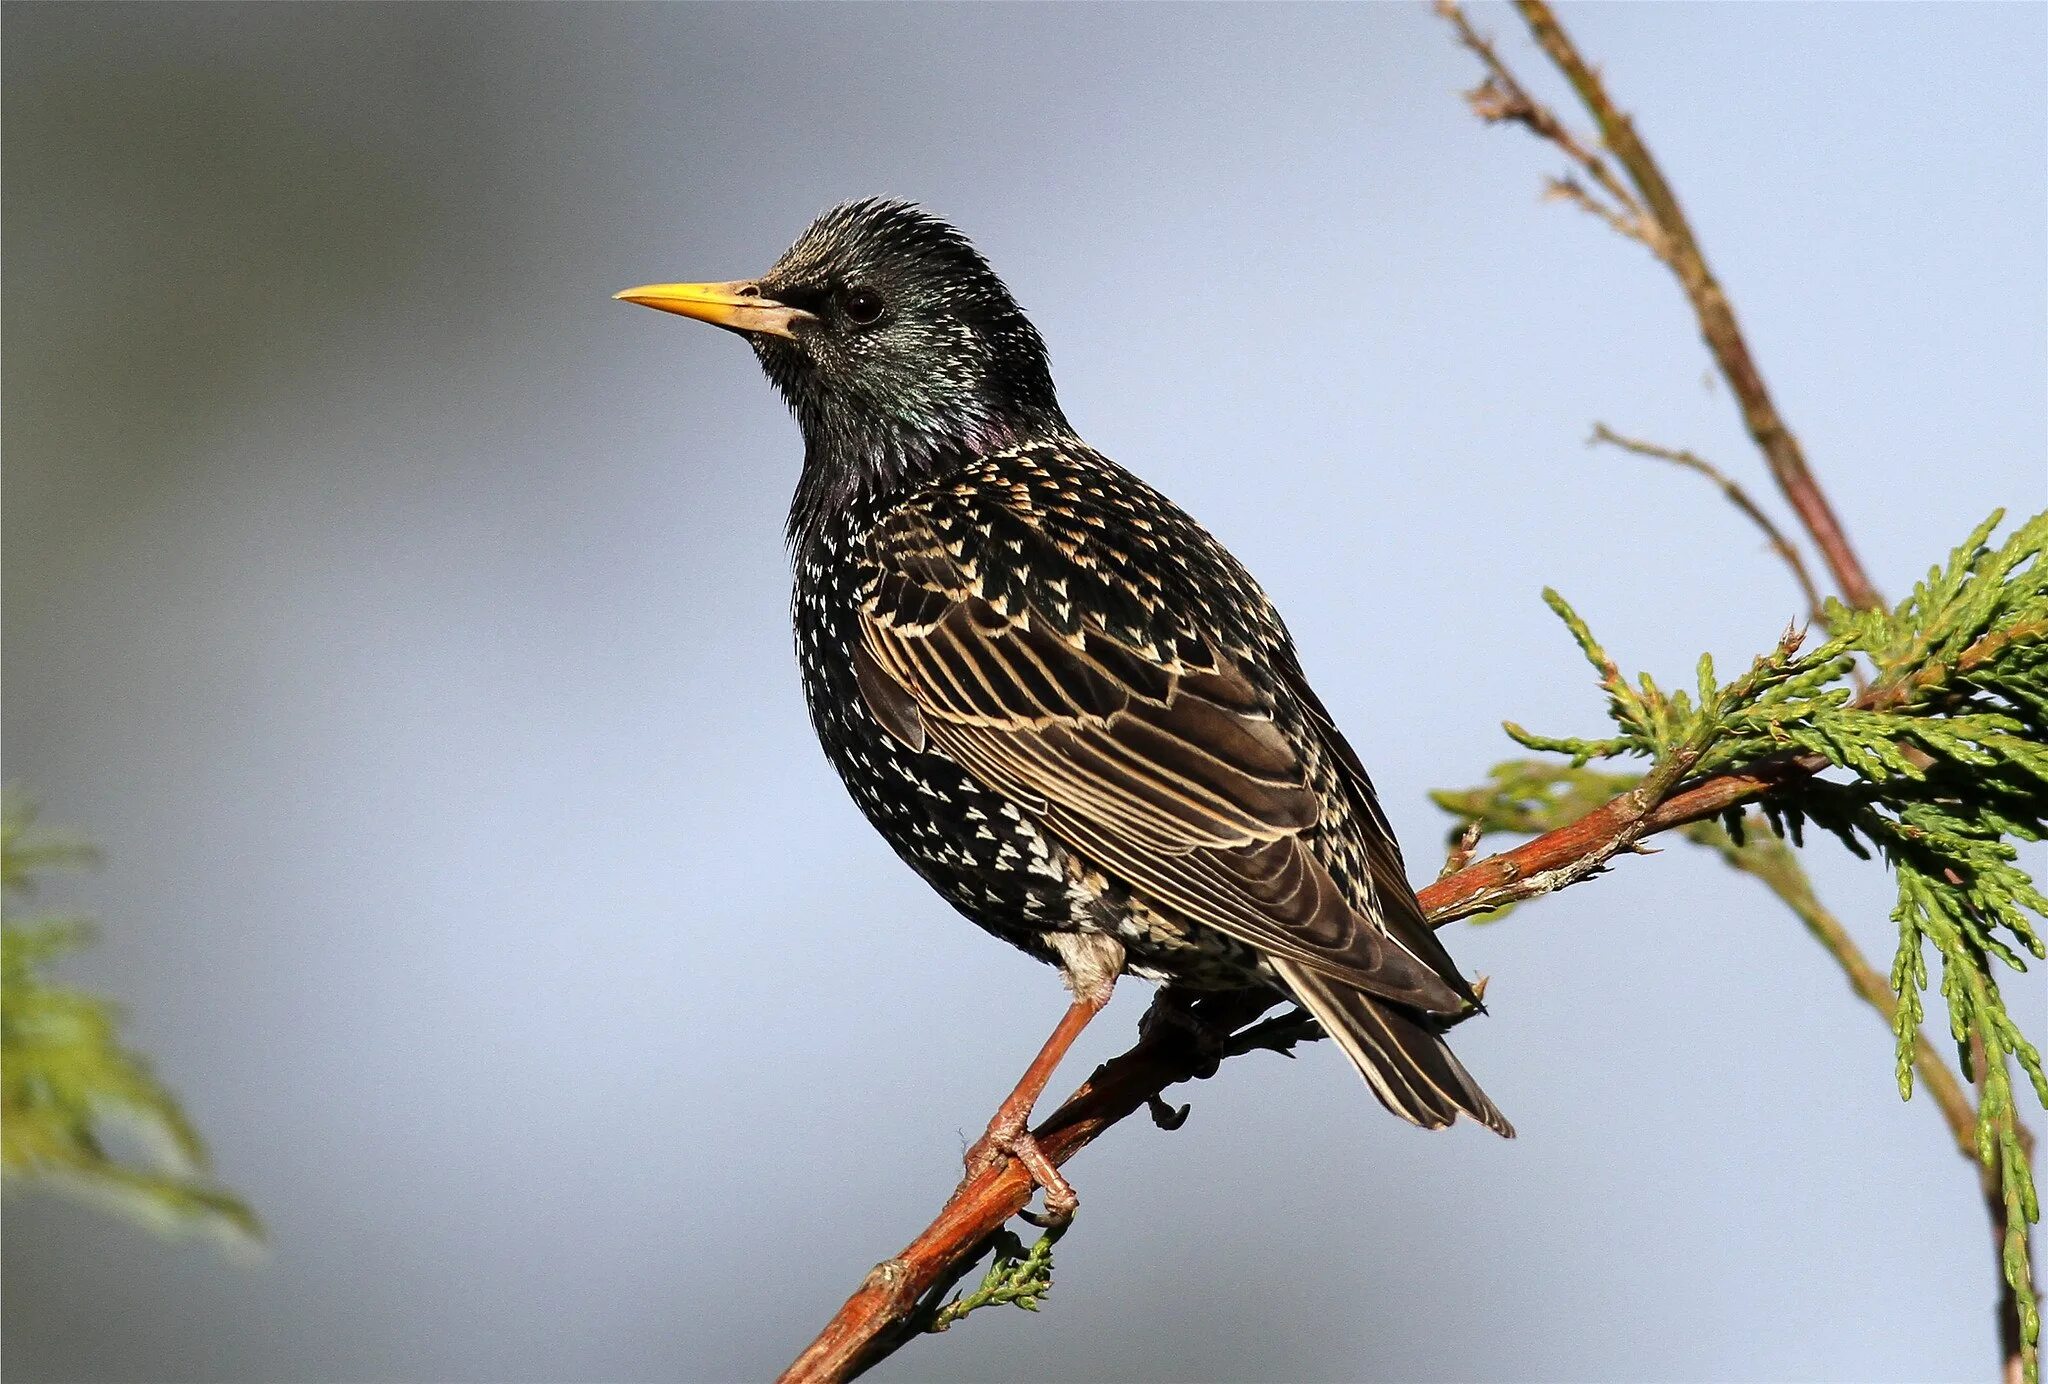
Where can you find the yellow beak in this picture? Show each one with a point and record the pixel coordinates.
(737, 306)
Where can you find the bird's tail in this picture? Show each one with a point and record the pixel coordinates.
(1405, 1061)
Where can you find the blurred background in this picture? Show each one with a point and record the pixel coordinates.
(408, 622)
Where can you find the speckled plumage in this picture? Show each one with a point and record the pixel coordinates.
(1027, 524)
(1059, 699)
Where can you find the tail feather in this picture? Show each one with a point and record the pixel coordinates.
(1407, 1063)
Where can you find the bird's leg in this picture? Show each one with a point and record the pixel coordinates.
(1009, 1133)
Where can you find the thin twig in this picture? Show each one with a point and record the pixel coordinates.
(1737, 496)
(1568, 189)
(1462, 851)
(1710, 304)
(1655, 218)
(1502, 97)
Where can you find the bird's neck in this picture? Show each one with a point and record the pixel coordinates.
(855, 466)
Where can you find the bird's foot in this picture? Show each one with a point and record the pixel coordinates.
(1176, 1017)
(1009, 1138)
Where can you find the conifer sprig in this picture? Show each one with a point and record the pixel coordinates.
(1939, 766)
(66, 1077)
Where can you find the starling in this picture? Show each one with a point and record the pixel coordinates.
(1059, 699)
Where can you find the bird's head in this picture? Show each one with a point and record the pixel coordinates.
(895, 344)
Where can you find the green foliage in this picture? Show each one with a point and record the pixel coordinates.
(1016, 1276)
(1939, 765)
(65, 1078)
(1527, 797)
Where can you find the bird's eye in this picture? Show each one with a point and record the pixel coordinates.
(863, 306)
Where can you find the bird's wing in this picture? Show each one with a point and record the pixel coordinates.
(1164, 769)
(1400, 912)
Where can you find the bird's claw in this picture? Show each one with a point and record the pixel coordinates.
(1167, 1116)
(1003, 1141)
(1053, 1217)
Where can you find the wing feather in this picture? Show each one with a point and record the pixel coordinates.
(1167, 772)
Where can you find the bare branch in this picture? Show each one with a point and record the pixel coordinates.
(1681, 251)
(1502, 97)
(1649, 212)
(1737, 496)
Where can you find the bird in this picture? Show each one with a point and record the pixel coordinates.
(1059, 699)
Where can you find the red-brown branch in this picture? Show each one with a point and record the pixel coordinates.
(874, 1320)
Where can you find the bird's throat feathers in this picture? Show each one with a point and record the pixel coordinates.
(857, 459)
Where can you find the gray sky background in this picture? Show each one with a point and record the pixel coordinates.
(408, 622)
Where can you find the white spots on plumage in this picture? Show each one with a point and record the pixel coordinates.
(1038, 531)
